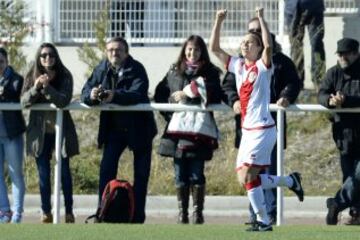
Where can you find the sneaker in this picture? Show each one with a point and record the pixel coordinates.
(333, 212)
(16, 218)
(69, 218)
(296, 187)
(5, 217)
(260, 227)
(47, 218)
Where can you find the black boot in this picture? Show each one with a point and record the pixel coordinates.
(198, 194)
(333, 212)
(183, 204)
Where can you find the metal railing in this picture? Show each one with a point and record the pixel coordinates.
(157, 21)
(169, 107)
(172, 21)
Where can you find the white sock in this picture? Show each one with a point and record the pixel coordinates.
(257, 201)
(272, 181)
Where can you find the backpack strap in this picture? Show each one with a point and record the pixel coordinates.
(90, 217)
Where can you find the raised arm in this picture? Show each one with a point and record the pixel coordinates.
(214, 43)
(266, 39)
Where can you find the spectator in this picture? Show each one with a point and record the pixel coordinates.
(12, 127)
(284, 89)
(253, 77)
(49, 81)
(341, 89)
(192, 72)
(122, 80)
(310, 13)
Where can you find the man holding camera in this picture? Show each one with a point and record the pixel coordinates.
(122, 80)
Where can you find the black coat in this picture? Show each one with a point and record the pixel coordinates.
(12, 84)
(284, 83)
(131, 88)
(347, 81)
(174, 81)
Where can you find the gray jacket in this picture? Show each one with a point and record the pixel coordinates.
(60, 96)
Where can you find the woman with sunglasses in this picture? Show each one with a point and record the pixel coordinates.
(49, 81)
(12, 127)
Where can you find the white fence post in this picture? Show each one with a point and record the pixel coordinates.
(57, 171)
(280, 162)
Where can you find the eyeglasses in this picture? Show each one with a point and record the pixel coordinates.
(115, 50)
(50, 55)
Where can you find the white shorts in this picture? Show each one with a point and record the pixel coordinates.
(256, 147)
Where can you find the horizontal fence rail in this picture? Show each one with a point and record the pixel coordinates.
(78, 106)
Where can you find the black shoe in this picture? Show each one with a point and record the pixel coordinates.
(259, 227)
(333, 212)
(296, 187)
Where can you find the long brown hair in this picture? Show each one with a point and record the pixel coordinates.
(38, 69)
(204, 59)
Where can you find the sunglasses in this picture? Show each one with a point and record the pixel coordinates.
(50, 55)
(254, 30)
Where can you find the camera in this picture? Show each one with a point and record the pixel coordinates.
(102, 94)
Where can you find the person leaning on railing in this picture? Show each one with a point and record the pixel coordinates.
(12, 127)
(122, 80)
(193, 79)
(49, 81)
(341, 89)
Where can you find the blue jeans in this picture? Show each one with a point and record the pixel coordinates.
(113, 148)
(12, 150)
(349, 193)
(43, 167)
(189, 172)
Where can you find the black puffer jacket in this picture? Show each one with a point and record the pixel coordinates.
(346, 81)
(173, 81)
(12, 84)
(131, 88)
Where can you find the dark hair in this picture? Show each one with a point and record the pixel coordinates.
(254, 19)
(120, 40)
(204, 56)
(3, 52)
(37, 69)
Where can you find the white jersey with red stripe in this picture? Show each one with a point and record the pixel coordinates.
(253, 86)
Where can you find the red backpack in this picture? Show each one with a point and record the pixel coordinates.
(117, 203)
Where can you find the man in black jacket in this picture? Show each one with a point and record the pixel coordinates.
(341, 89)
(122, 80)
(285, 87)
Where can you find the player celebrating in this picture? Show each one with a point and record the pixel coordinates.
(253, 75)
